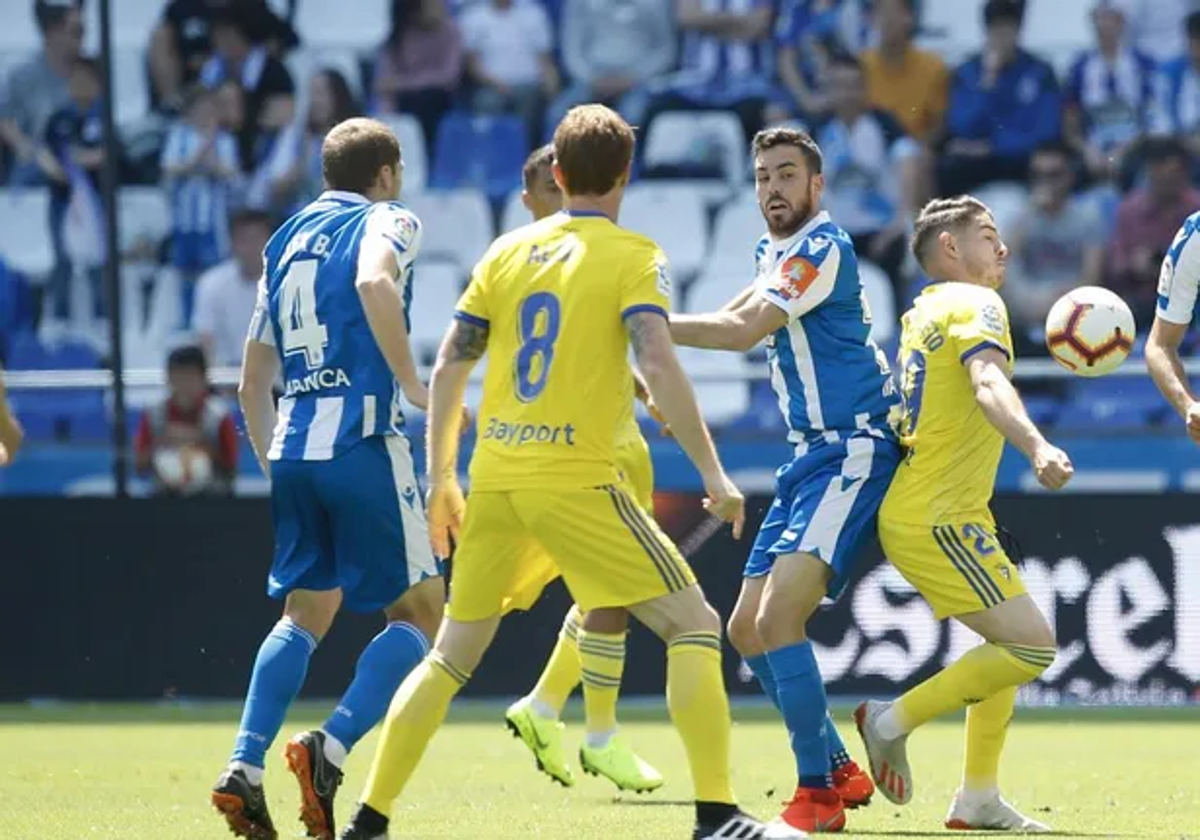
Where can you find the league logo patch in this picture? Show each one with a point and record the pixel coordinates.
(1166, 277)
(664, 277)
(405, 229)
(796, 275)
(993, 319)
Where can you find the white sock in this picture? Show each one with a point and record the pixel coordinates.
(335, 752)
(599, 740)
(254, 775)
(888, 724)
(978, 796)
(543, 709)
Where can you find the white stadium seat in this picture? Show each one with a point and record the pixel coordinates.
(20, 33)
(715, 288)
(133, 22)
(1007, 201)
(412, 147)
(739, 227)
(675, 136)
(456, 225)
(719, 379)
(514, 215)
(437, 285)
(25, 231)
(144, 216)
(132, 100)
(674, 217)
(881, 299)
(357, 24)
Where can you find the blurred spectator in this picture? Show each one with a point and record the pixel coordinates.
(509, 47)
(911, 84)
(805, 34)
(291, 175)
(226, 293)
(1056, 244)
(1156, 26)
(1109, 94)
(200, 171)
(187, 444)
(1178, 109)
(610, 48)
(36, 88)
(419, 68)
(871, 169)
(231, 106)
(1147, 221)
(726, 64)
(267, 87)
(71, 159)
(1004, 103)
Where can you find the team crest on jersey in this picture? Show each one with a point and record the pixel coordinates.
(993, 319)
(796, 275)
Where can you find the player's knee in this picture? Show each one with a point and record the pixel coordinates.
(313, 611)
(783, 618)
(697, 617)
(743, 634)
(421, 606)
(610, 620)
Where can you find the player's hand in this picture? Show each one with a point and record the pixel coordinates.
(1193, 421)
(445, 507)
(724, 501)
(1052, 467)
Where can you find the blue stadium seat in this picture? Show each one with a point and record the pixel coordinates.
(1113, 403)
(79, 415)
(27, 353)
(485, 153)
(1044, 409)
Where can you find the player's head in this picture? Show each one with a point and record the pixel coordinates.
(362, 155)
(788, 179)
(539, 191)
(187, 376)
(61, 25)
(956, 239)
(593, 151)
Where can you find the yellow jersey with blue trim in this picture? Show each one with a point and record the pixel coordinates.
(554, 296)
(953, 452)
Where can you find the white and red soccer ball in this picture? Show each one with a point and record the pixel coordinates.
(1090, 331)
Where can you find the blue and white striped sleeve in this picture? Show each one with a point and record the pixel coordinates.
(1180, 277)
(399, 228)
(260, 321)
(806, 279)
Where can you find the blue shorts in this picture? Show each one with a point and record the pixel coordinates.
(825, 504)
(354, 523)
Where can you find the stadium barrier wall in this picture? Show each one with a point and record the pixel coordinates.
(158, 599)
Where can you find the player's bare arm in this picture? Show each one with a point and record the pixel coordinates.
(1003, 408)
(11, 433)
(1166, 369)
(739, 329)
(672, 393)
(260, 366)
(380, 296)
(464, 345)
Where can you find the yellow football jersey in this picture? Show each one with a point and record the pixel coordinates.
(557, 390)
(949, 472)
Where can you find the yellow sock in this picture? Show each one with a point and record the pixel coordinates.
(417, 711)
(700, 711)
(987, 727)
(602, 658)
(979, 674)
(562, 671)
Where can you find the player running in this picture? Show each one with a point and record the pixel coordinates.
(557, 304)
(591, 647)
(1177, 299)
(349, 527)
(935, 524)
(11, 433)
(835, 392)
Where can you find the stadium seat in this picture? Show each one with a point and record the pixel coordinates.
(357, 24)
(20, 33)
(27, 353)
(1112, 402)
(486, 153)
(514, 214)
(131, 85)
(343, 60)
(673, 217)
(882, 300)
(25, 231)
(144, 217)
(738, 228)
(1008, 203)
(713, 289)
(455, 224)
(436, 289)
(697, 143)
(412, 148)
(720, 383)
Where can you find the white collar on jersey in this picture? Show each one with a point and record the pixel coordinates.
(342, 195)
(813, 223)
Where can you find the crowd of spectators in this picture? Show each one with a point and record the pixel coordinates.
(1104, 152)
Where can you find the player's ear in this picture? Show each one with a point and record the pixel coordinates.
(558, 177)
(525, 200)
(947, 243)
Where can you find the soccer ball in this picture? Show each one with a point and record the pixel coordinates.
(187, 470)
(1090, 331)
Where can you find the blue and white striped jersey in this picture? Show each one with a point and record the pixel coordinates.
(1180, 275)
(831, 379)
(338, 389)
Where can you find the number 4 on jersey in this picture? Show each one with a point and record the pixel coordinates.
(302, 331)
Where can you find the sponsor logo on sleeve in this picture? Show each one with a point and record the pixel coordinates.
(796, 276)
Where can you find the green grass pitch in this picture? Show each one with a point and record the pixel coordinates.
(136, 773)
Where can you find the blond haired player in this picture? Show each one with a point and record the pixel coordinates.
(591, 647)
(556, 305)
(935, 524)
(11, 433)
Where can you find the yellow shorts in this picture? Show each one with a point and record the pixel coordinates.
(637, 475)
(610, 552)
(959, 569)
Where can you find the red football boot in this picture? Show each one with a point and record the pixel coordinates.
(815, 810)
(854, 785)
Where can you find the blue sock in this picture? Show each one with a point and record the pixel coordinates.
(762, 670)
(802, 701)
(384, 664)
(278, 674)
(839, 756)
